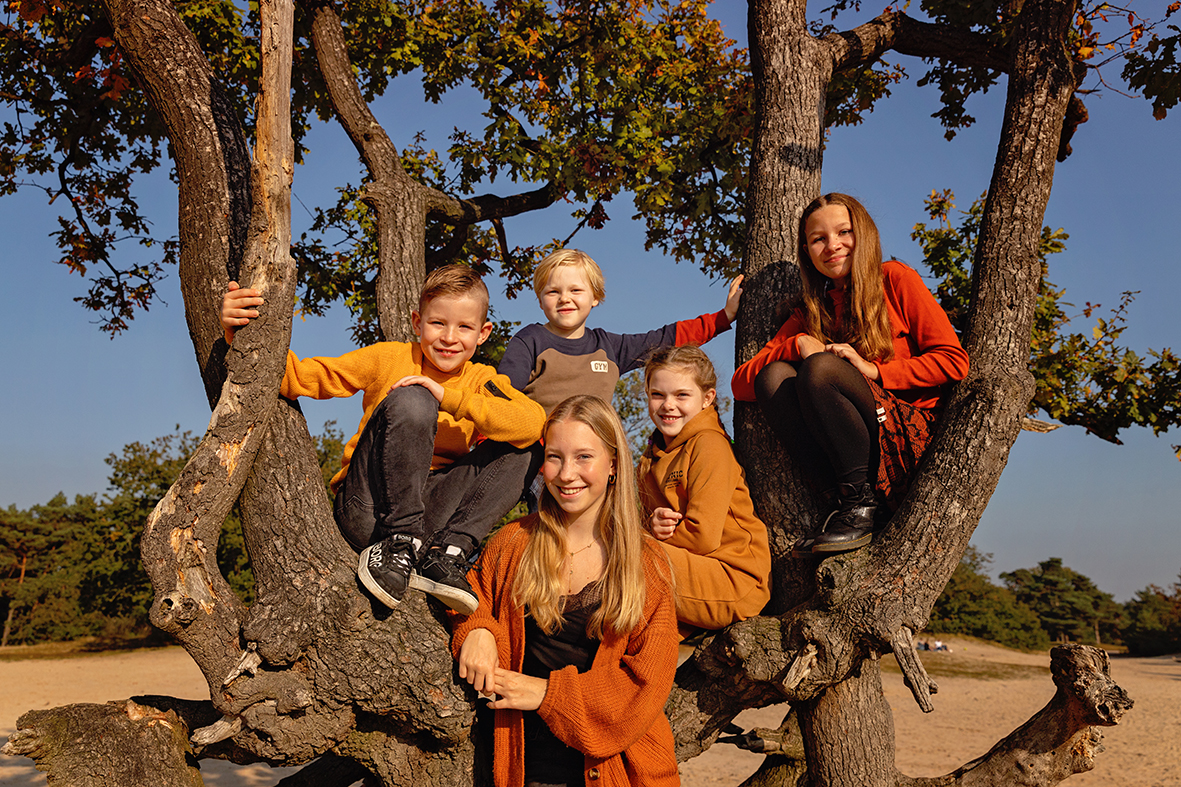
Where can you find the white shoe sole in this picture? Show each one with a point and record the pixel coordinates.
(371, 584)
(459, 600)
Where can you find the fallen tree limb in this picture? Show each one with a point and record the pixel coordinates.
(1061, 739)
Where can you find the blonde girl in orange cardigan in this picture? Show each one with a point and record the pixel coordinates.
(574, 638)
(695, 496)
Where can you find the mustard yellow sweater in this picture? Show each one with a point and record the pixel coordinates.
(476, 400)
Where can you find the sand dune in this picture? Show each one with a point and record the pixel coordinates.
(971, 713)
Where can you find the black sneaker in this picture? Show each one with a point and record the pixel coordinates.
(444, 576)
(385, 568)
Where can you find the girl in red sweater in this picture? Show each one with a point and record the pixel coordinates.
(853, 381)
(575, 635)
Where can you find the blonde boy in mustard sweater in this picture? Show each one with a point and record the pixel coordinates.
(412, 494)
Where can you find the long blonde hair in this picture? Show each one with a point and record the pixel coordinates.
(538, 585)
(866, 323)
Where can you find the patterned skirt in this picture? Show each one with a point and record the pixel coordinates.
(904, 431)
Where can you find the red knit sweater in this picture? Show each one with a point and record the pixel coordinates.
(927, 352)
(613, 712)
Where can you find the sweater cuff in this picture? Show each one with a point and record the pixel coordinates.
(452, 399)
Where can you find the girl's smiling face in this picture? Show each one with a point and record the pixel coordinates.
(675, 399)
(829, 233)
(577, 469)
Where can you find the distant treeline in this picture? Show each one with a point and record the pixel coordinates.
(70, 570)
(1035, 607)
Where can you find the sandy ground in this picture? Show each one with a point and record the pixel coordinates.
(971, 714)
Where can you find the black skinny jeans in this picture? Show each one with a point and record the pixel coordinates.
(390, 488)
(824, 413)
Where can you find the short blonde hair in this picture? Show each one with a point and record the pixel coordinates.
(575, 259)
(453, 281)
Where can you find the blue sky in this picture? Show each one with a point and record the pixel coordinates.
(74, 396)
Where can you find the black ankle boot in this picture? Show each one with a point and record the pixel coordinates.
(828, 506)
(851, 525)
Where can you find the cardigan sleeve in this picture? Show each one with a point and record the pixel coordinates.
(782, 347)
(489, 579)
(937, 358)
(603, 711)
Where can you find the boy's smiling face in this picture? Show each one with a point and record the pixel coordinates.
(449, 329)
(567, 302)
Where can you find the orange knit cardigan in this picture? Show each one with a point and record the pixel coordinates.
(614, 712)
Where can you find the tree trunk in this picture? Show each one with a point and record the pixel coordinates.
(11, 609)
(212, 164)
(790, 80)
(852, 732)
(139, 745)
(877, 597)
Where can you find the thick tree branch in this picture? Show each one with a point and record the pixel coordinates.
(490, 206)
(401, 203)
(398, 201)
(895, 31)
(193, 601)
(120, 744)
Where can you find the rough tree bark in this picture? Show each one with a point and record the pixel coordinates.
(212, 165)
(313, 670)
(821, 652)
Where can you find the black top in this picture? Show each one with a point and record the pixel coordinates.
(547, 759)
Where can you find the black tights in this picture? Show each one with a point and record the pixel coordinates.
(824, 413)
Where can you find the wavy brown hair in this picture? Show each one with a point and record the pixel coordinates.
(688, 357)
(866, 323)
(538, 585)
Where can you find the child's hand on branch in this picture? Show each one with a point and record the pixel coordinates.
(733, 297)
(237, 308)
(664, 523)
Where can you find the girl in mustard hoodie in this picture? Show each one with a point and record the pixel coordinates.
(695, 497)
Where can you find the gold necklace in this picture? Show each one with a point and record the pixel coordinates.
(570, 561)
(583, 549)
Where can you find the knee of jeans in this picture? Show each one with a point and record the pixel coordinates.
(356, 522)
(409, 404)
